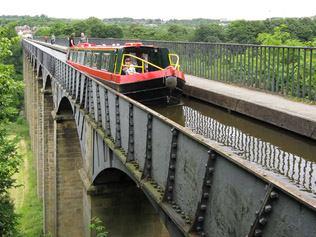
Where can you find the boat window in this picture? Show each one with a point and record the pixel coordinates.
(157, 58)
(80, 58)
(95, 60)
(87, 61)
(105, 61)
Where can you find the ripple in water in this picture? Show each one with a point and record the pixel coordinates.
(297, 169)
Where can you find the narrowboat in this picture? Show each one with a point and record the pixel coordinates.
(148, 74)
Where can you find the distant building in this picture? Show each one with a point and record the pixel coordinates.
(25, 31)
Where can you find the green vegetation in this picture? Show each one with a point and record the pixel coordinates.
(10, 94)
(98, 228)
(27, 205)
(202, 30)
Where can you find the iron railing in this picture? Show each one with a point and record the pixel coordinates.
(284, 70)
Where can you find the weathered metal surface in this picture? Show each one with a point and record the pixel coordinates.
(237, 185)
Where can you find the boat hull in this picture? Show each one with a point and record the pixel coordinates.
(154, 91)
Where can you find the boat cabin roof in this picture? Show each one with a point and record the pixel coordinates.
(104, 47)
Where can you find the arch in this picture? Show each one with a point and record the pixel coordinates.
(65, 107)
(48, 83)
(34, 64)
(123, 207)
(40, 71)
(111, 175)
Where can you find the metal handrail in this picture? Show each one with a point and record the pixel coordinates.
(175, 65)
(142, 60)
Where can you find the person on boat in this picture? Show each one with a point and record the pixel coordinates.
(83, 38)
(128, 67)
(72, 40)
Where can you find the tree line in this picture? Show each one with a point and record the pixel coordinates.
(198, 30)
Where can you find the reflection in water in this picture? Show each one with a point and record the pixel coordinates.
(251, 140)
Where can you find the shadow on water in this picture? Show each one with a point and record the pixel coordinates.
(274, 148)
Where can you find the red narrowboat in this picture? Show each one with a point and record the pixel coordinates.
(145, 73)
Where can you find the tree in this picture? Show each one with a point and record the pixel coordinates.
(209, 33)
(113, 31)
(176, 32)
(244, 32)
(280, 36)
(9, 89)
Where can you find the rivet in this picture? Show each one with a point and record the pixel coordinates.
(171, 177)
(169, 198)
(210, 170)
(174, 145)
(202, 234)
(208, 182)
(198, 228)
(148, 166)
(268, 208)
(172, 167)
(258, 232)
(174, 206)
(131, 105)
(170, 188)
(263, 221)
(173, 156)
(274, 195)
(203, 207)
(205, 195)
(200, 218)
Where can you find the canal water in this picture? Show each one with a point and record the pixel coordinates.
(273, 148)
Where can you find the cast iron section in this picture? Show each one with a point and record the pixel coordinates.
(172, 167)
(107, 114)
(148, 158)
(130, 152)
(263, 213)
(118, 123)
(198, 224)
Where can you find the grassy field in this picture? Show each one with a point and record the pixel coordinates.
(27, 204)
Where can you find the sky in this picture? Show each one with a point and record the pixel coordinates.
(162, 9)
